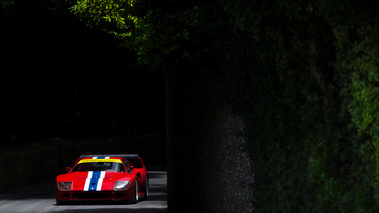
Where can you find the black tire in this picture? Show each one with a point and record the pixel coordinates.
(146, 191)
(59, 202)
(136, 192)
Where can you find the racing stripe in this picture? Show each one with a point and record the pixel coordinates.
(100, 183)
(100, 157)
(95, 179)
(88, 179)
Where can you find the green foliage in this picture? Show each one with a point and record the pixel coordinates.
(114, 16)
(362, 89)
(310, 110)
(7, 8)
(164, 34)
(280, 101)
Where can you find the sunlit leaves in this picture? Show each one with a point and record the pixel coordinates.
(357, 63)
(111, 15)
(152, 29)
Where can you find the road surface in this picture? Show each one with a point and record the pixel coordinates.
(40, 198)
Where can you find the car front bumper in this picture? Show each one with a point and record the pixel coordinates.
(95, 195)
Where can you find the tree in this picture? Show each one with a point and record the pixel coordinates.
(299, 93)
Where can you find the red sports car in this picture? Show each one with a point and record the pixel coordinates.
(113, 177)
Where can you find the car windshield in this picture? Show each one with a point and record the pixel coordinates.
(98, 166)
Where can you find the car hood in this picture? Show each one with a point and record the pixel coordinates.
(93, 181)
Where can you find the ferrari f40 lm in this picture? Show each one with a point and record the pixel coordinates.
(110, 177)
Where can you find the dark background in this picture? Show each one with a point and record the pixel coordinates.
(62, 79)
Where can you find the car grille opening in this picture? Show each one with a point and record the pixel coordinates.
(119, 194)
(98, 195)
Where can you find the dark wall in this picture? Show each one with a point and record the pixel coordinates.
(36, 162)
(208, 169)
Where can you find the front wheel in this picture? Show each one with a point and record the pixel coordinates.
(136, 192)
(146, 192)
(59, 202)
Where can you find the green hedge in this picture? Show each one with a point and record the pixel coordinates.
(305, 75)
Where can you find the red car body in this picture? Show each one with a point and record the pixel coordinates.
(112, 177)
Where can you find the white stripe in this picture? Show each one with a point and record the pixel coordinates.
(100, 182)
(94, 157)
(86, 185)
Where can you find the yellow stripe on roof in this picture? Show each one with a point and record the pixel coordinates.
(99, 160)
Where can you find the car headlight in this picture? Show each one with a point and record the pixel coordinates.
(64, 186)
(121, 185)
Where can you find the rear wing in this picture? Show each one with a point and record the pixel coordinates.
(111, 155)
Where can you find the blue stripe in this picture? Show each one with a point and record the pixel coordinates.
(94, 180)
(100, 157)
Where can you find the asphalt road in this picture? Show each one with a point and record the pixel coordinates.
(40, 198)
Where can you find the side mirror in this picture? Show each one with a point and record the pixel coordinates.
(130, 169)
(68, 169)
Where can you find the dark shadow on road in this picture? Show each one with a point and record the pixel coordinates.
(102, 210)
